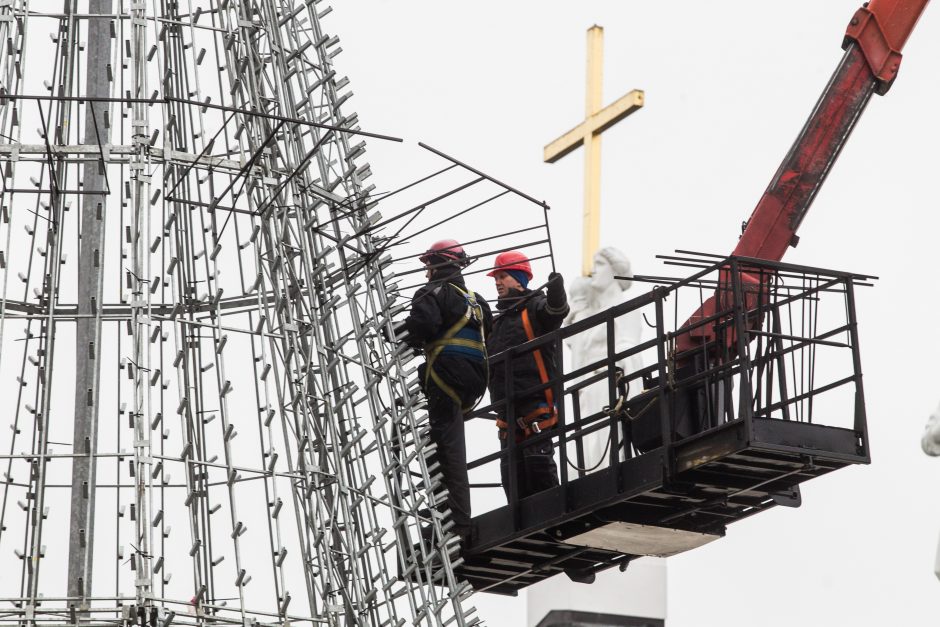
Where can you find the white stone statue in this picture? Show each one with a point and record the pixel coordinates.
(930, 442)
(588, 296)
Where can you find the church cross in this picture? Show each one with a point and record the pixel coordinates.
(588, 133)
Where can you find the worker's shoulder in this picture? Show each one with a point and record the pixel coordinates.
(444, 294)
(479, 297)
(429, 294)
(463, 292)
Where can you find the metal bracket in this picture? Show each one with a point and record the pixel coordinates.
(868, 33)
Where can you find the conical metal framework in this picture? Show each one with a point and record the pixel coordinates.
(205, 425)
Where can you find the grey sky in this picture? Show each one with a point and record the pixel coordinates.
(728, 87)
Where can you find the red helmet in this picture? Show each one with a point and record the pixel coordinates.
(511, 260)
(446, 250)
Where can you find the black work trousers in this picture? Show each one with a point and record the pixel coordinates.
(446, 418)
(534, 469)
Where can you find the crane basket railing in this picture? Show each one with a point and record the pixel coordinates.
(785, 351)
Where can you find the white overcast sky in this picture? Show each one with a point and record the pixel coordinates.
(728, 86)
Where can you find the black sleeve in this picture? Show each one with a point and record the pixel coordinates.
(550, 310)
(424, 321)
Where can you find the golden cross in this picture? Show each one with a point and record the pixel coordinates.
(588, 132)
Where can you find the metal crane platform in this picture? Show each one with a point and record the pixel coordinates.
(608, 518)
(708, 441)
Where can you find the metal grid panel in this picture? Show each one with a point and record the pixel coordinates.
(205, 424)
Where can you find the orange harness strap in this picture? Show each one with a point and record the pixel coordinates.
(529, 423)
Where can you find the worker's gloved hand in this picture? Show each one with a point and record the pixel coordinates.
(398, 331)
(555, 291)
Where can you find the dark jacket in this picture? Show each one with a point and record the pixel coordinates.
(435, 308)
(508, 331)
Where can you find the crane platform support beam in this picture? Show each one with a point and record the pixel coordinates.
(873, 42)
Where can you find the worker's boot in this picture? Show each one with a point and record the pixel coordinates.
(432, 554)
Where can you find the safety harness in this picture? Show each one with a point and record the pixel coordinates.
(460, 339)
(531, 423)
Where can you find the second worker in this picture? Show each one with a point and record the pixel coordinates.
(525, 314)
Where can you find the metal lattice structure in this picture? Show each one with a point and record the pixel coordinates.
(204, 424)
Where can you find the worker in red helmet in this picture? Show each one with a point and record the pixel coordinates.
(449, 323)
(525, 314)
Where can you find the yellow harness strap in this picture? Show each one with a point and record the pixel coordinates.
(433, 349)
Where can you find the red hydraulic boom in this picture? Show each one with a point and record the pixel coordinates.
(873, 43)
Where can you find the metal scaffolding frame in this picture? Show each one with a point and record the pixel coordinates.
(188, 253)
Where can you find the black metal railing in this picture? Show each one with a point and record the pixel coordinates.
(781, 343)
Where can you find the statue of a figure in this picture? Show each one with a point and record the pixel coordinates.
(930, 442)
(588, 296)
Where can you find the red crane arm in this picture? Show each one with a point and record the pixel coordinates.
(873, 43)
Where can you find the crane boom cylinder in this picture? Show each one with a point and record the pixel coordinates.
(783, 206)
(873, 43)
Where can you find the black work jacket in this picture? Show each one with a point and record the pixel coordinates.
(508, 331)
(435, 308)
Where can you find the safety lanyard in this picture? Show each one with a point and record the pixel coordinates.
(528, 423)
